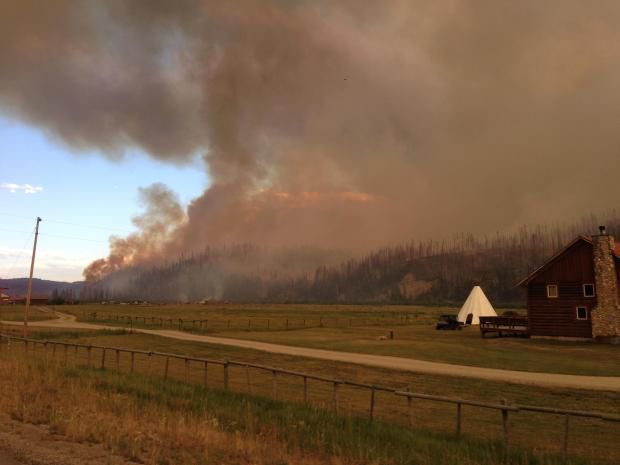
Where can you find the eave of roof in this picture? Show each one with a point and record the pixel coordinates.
(525, 281)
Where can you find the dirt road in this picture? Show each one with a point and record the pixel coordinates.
(599, 383)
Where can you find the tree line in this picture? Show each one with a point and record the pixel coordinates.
(420, 272)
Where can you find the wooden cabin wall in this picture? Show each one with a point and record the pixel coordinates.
(558, 316)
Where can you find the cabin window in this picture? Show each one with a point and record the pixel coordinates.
(588, 290)
(552, 291)
(582, 313)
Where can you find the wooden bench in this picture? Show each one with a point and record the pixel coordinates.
(504, 325)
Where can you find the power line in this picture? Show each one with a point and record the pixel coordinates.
(54, 235)
(82, 225)
(73, 237)
(18, 253)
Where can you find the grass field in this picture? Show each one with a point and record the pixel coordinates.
(592, 439)
(413, 326)
(16, 313)
(168, 422)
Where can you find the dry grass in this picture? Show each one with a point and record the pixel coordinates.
(80, 409)
(589, 438)
(415, 336)
(16, 313)
(156, 422)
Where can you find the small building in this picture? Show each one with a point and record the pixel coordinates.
(576, 292)
(34, 300)
(4, 298)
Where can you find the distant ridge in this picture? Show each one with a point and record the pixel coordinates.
(19, 286)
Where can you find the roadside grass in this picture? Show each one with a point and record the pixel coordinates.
(465, 347)
(414, 337)
(16, 313)
(590, 438)
(165, 421)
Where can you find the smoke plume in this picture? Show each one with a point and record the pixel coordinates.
(340, 124)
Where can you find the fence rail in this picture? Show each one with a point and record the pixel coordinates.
(327, 387)
(255, 322)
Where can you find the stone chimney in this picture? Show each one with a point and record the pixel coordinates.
(606, 315)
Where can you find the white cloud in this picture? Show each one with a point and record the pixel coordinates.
(25, 188)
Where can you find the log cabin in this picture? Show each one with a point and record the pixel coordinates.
(576, 292)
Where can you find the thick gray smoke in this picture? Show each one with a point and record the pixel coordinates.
(341, 124)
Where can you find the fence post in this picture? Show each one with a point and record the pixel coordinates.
(306, 390)
(66, 355)
(133, 354)
(505, 422)
(103, 359)
(226, 375)
(150, 371)
(287, 323)
(458, 418)
(410, 410)
(166, 368)
(274, 384)
(206, 371)
(247, 376)
(89, 356)
(75, 355)
(186, 370)
(371, 410)
(335, 400)
(566, 421)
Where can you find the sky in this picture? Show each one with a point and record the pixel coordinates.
(343, 126)
(83, 199)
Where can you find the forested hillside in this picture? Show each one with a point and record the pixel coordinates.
(430, 272)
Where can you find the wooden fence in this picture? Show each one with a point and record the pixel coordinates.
(279, 384)
(255, 323)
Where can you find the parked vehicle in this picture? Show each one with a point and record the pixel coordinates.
(448, 322)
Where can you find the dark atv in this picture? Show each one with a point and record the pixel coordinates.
(448, 322)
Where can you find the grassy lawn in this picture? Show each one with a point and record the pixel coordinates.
(16, 313)
(464, 347)
(529, 430)
(150, 420)
(357, 328)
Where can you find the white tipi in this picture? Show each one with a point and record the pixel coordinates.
(477, 305)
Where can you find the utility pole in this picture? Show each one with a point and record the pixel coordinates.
(34, 251)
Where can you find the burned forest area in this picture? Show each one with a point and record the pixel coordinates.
(432, 272)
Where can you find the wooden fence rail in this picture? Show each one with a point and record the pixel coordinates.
(254, 322)
(332, 385)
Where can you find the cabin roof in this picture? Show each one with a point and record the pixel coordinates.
(587, 239)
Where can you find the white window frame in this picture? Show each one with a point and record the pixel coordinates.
(557, 291)
(577, 312)
(593, 290)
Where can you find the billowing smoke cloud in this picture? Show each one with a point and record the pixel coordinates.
(162, 217)
(342, 124)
